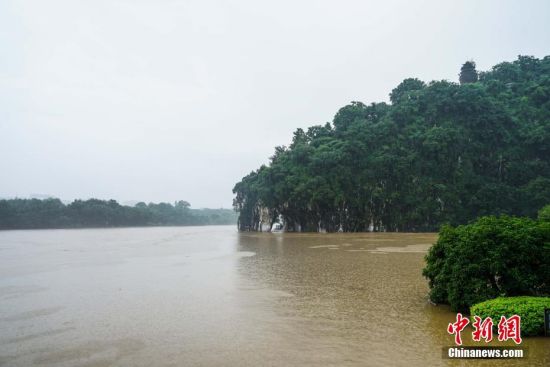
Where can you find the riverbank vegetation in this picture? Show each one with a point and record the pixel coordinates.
(493, 257)
(52, 213)
(531, 310)
(440, 152)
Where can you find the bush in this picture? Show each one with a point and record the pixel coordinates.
(493, 257)
(531, 310)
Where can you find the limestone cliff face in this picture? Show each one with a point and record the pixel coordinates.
(266, 220)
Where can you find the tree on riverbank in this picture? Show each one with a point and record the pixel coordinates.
(439, 153)
(493, 257)
(52, 213)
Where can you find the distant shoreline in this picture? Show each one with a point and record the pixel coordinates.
(94, 213)
(115, 227)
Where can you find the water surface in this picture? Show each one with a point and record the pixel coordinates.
(210, 296)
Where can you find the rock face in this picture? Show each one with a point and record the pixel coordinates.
(260, 220)
(265, 220)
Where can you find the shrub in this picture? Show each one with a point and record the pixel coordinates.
(531, 310)
(492, 257)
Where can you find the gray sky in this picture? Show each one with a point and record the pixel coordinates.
(165, 100)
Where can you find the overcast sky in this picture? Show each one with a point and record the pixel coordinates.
(166, 100)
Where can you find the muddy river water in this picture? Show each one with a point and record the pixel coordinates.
(210, 296)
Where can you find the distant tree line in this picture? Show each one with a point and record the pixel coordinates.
(53, 213)
(441, 152)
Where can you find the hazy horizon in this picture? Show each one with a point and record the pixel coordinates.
(178, 100)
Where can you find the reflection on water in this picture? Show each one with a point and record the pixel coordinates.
(211, 296)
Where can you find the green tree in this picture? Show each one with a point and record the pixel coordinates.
(442, 152)
(544, 214)
(406, 89)
(52, 213)
(495, 256)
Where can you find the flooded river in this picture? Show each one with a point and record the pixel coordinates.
(210, 296)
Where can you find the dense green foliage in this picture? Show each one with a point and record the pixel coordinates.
(544, 214)
(492, 257)
(52, 213)
(439, 153)
(531, 310)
